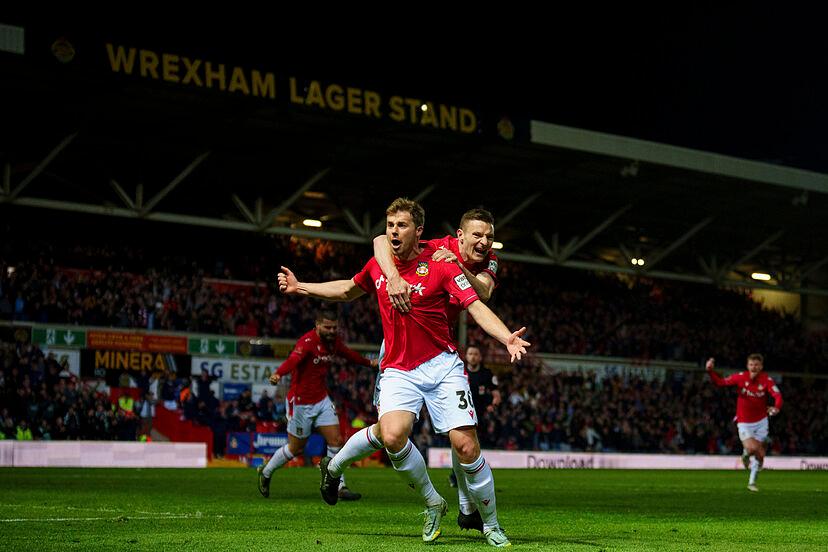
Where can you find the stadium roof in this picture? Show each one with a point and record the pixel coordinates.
(93, 132)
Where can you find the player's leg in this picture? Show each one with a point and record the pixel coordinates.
(400, 402)
(452, 412)
(361, 444)
(756, 443)
(282, 456)
(333, 438)
(364, 442)
(469, 515)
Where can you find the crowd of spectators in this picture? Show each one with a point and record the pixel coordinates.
(41, 399)
(567, 312)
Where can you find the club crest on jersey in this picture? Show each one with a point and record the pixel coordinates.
(462, 282)
(493, 266)
(422, 268)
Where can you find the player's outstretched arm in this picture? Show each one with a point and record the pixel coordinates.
(716, 378)
(495, 327)
(398, 289)
(336, 290)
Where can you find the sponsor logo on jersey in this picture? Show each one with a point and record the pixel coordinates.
(419, 288)
(462, 282)
(422, 268)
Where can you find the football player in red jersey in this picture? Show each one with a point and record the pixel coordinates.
(421, 364)
(752, 409)
(308, 403)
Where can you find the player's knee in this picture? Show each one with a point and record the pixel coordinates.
(467, 450)
(394, 440)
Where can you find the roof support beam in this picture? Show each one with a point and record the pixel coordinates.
(752, 253)
(309, 183)
(40, 166)
(504, 220)
(240, 204)
(678, 243)
(122, 194)
(175, 182)
(572, 248)
(816, 266)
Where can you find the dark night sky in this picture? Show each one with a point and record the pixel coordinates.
(749, 84)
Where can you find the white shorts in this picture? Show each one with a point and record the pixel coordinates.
(440, 383)
(302, 418)
(754, 430)
(375, 400)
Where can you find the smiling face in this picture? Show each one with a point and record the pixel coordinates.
(475, 240)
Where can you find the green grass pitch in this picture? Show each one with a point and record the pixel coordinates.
(220, 509)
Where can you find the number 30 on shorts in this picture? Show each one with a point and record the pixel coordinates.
(465, 400)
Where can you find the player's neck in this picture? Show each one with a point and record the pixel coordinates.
(473, 367)
(412, 254)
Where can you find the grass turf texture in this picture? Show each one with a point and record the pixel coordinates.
(221, 509)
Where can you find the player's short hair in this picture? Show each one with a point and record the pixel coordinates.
(477, 213)
(756, 356)
(408, 206)
(474, 346)
(326, 314)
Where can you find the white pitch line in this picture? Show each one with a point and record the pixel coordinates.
(119, 518)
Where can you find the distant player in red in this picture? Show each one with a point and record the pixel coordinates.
(421, 364)
(752, 410)
(308, 404)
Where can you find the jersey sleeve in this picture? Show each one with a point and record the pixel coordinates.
(363, 278)
(491, 267)
(350, 355)
(733, 379)
(294, 359)
(458, 285)
(775, 393)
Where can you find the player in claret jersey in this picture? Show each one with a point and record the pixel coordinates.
(308, 404)
(421, 364)
(752, 410)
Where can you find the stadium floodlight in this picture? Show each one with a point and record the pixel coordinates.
(312, 223)
(761, 276)
(640, 262)
(10, 270)
(424, 107)
(497, 245)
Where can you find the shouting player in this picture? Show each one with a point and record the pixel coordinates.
(752, 410)
(421, 365)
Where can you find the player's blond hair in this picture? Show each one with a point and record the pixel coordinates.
(756, 356)
(405, 205)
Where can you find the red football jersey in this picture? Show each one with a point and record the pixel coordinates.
(752, 404)
(308, 365)
(423, 333)
(488, 265)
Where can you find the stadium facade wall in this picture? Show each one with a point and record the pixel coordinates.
(441, 458)
(101, 454)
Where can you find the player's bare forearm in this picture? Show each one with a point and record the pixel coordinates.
(397, 288)
(336, 290)
(489, 322)
(384, 257)
(482, 283)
